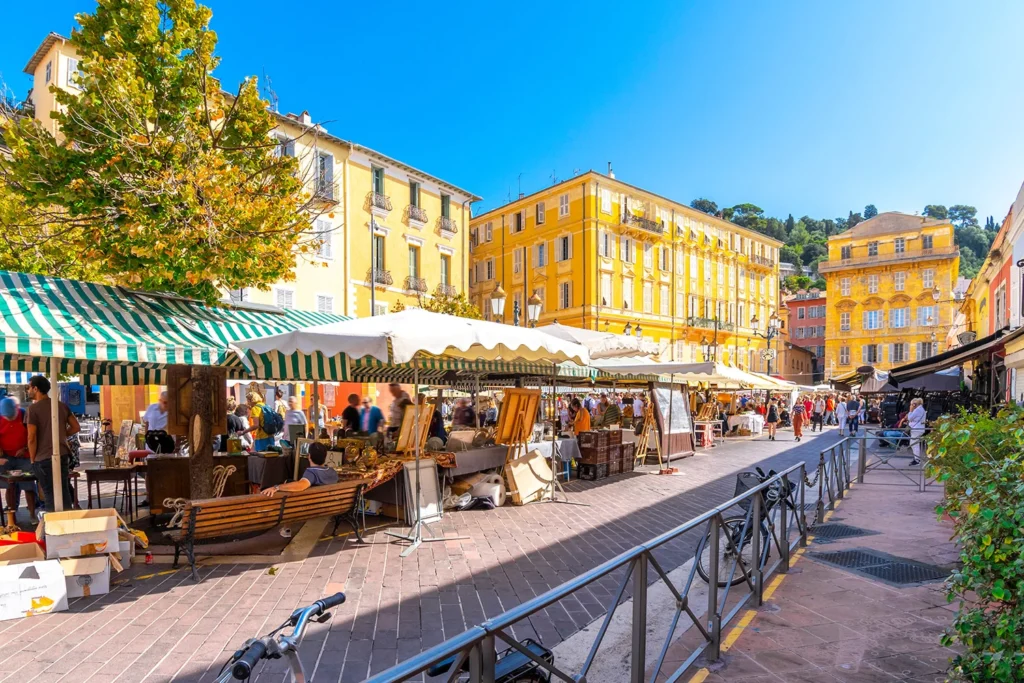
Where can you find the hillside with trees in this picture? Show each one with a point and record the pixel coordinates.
(806, 238)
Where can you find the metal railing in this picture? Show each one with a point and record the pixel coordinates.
(448, 225)
(765, 525)
(325, 189)
(761, 261)
(380, 201)
(379, 276)
(708, 323)
(880, 449)
(445, 290)
(417, 214)
(883, 259)
(415, 284)
(832, 478)
(632, 220)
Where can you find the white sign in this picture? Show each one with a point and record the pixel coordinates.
(768, 354)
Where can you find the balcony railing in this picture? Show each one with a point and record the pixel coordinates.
(709, 323)
(646, 224)
(379, 276)
(447, 225)
(762, 261)
(417, 214)
(380, 201)
(415, 284)
(883, 259)
(445, 290)
(326, 190)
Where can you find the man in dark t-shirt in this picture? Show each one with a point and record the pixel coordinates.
(350, 416)
(40, 440)
(315, 475)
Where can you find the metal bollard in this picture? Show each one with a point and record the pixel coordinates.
(784, 521)
(639, 658)
(820, 508)
(862, 458)
(802, 511)
(714, 618)
(755, 555)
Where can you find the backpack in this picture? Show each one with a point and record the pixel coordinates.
(271, 421)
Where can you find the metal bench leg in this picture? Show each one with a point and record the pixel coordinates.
(337, 521)
(353, 519)
(190, 552)
(177, 555)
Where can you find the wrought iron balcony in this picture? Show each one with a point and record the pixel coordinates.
(762, 261)
(325, 189)
(379, 276)
(447, 225)
(380, 201)
(445, 290)
(646, 224)
(415, 284)
(884, 259)
(417, 214)
(709, 323)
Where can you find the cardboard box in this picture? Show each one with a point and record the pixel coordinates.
(86, 576)
(77, 533)
(126, 549)
(29, 584)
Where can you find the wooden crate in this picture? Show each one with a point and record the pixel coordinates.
(595, 456)
(615, 466)
(614, 437)
(594, 439)
(592, 472)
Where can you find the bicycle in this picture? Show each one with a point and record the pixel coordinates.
(736, 534)
(273, 646)
(511, 665)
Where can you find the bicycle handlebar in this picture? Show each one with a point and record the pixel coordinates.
(242, 669)
(329, 602)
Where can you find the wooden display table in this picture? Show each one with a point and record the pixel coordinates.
(167, 477)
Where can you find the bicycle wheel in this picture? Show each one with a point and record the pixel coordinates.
(729, 543)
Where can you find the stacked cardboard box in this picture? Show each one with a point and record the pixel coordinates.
(29, 583)
(84, 541)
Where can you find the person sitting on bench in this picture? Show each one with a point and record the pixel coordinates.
(315, 475)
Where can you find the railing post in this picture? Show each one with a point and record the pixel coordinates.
(784, 522)
(476, 664)
(639, 660)
(488, 659)
(819, 516)
(803, 505)
(862, 458)
(755, 523)
(714, 618)
(837, 467)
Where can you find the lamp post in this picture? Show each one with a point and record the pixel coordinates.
(628, 329)
(498, 303)
(709, 349)
(772, 330)
(639, 331)
(533, 306)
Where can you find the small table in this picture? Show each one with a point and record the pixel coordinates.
(118, 475)
(751, 421)
(705, 431)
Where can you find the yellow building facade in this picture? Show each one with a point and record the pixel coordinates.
(419, 235)
(602, 254)
(890, 297)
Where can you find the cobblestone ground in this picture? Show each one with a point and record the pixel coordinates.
(161, 626)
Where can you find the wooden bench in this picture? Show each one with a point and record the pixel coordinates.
(216, 518)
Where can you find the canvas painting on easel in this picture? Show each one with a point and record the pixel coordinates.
(518, 413)
(406, 440)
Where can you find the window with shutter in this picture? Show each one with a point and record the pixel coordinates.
(488, 232)
(446, 206)
(627, 293)
(606, 289)
(517, 260)
(285, 298)
(414, 194)
(606, 201)
(648, 255)
(565, 295)
(324, 303)
(378, 180)
(322, 234)
(540, 213)
(378, 251)
(664, 300)
(446, 269)
(563, 205)
(648, 298)
(414, 262)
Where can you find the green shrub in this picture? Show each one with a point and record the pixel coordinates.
(980, 459)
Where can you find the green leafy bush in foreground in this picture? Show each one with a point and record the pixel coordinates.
(980, 459)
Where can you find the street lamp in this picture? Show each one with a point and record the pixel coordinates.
(533, 305)
(709, 349)
(773, 327)
(628, 329)
(498, 303)
(639, 331)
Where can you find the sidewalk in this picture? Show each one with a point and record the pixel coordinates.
(824, 624)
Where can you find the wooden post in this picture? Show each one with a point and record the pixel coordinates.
(200, 433)
(315, 410)
(58, 480)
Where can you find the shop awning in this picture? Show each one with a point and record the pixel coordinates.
(954, 357)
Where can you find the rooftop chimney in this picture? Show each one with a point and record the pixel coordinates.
(305, 119)
(611, 173)
(522, 194)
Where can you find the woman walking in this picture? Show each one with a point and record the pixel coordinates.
(841, 415)
(772, 419)
(799, 415)
(916, 420)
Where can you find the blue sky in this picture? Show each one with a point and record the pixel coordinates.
(804, 107)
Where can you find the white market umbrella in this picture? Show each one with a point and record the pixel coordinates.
(600, 344)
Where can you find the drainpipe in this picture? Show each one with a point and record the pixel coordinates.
(348, 235)
(465, 247)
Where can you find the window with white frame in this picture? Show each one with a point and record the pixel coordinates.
(74, 76)
(680, 304)
(606, 289)
(664, 300)
(517, 222)
(720, 273)
(899, 280)
(563, 205)
(873, 320)
(627, 293)
(999, 304)
(927, 242)
(844, 355)
(540, 255)
(870, 353)
(323, 232)
(665, 260)
(928, 278)
(799, 333)
(284, 298)
(872, 284)
(517, 260)
(693, 266)
(606, 201)
(563, 248)
(801, 313)
(899, 318)
(844, 286)
(899, 245)
(648, 255)
(380, 308)
(898, 352)
(926, 315)
(872, 248)
(627, 250)
(488, 232)
(324, 303)
(565, 295)
(49, 71)
(648, 297)
(489, 269)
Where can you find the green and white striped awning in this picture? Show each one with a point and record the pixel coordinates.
(434, 369)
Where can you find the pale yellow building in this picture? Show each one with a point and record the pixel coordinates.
(606, 255)
(420, 222)
(890, 297)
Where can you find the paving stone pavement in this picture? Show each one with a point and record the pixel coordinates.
(826, 624)
(167, 628)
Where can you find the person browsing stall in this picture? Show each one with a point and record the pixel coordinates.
(40, 439)
(315, 475)
(14, 447)
(581, 419)
(371, 418)
(155, 416)
(350, 416)
(610, 413)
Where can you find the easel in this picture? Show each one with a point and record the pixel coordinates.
(645, 439)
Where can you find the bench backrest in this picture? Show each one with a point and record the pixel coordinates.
(218, 517)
